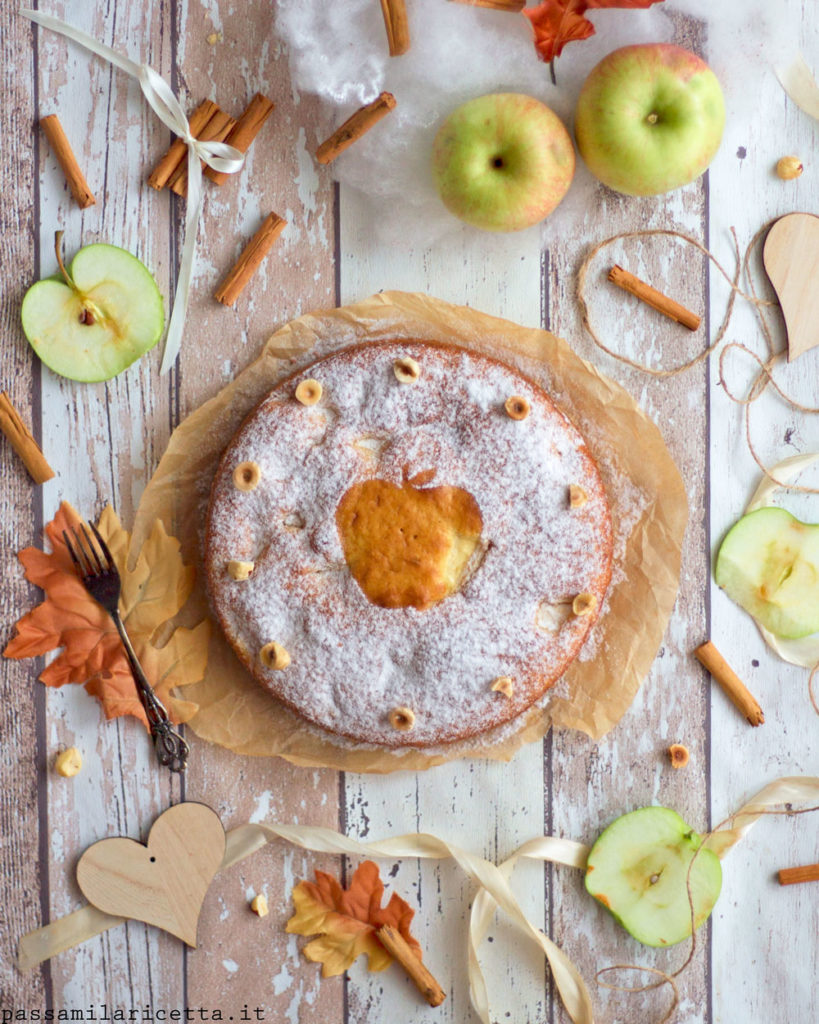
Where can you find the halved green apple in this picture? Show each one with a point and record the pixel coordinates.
(639, 870)
(769, 564)
(93, 321)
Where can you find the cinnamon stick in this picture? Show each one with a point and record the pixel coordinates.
(177, 154)
(397, 946)
(708, 656)
(22, 441)
(216, 130)
(354, 127)
(496, 5)
(657, 300)
(397, 26)
(244, 131)
(61, 147)
(808, 873)
(252, 255)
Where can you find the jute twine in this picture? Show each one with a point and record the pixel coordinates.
(765, 374)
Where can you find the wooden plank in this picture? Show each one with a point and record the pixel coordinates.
(105, 440)
(246, 960)
(772, 933)
(594, 783)
(486, 807)
(629, 768)
(21, 751)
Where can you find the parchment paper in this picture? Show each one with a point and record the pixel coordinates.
(649, 511)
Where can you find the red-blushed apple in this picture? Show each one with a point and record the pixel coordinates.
(502, 162)
(649, 118)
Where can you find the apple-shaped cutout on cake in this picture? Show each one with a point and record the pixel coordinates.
(502, 162)
(407, 545)
(769, 565)
(639, 870)
(649, 118)
(91, 322)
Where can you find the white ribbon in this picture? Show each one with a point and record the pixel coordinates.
(492, 881)
(217, 155)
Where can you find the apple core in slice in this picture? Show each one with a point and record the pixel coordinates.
(639, 870)
(769, 564)
(406, 545)
(102, 316)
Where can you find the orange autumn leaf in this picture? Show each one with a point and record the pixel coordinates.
(557, 22)
(154, 588)
(346, 919)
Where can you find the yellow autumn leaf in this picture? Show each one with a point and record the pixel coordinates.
(346, 920)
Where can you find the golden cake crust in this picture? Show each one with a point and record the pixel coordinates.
(429, 543)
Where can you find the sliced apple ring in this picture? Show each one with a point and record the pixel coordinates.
(769, 565)
(639, 870)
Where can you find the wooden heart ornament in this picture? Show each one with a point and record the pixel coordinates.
(162, 882)
(791, 258)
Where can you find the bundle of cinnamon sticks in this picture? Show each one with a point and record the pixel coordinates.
(209, 123)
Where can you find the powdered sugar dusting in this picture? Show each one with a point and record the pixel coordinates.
(352, 661)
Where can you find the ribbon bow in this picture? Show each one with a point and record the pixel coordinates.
(218, 155)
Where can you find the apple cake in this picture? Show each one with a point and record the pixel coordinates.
(407, 543)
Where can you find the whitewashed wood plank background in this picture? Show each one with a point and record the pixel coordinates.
(758, 960)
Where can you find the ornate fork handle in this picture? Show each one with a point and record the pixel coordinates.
(171, 750)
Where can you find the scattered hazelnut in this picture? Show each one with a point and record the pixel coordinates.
(504, 685)
(247, 475)
(678, 755)
(240, 570)
(406, 370)
(516, 407)
(68, 763)
(273, 655)
(402, 719)
(577, 496)
(584, 603)
(259, 905)
(789, 167)
(309, 391)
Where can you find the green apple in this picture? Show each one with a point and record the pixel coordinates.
(639, 870)
(769, 564)
(502, 162)
(649, 118)
(93, 321)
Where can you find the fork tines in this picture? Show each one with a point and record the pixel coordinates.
(85, 556)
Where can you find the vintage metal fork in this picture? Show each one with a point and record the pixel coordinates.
(100, 577)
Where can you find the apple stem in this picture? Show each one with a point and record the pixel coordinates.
(58, 244)
(87, 316)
